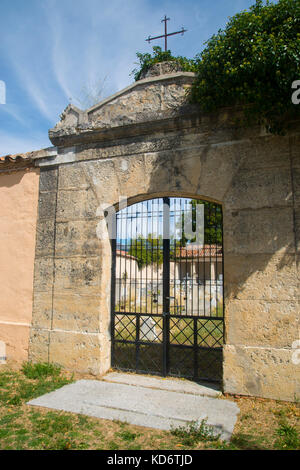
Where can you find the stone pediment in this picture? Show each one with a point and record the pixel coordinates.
(153, 98)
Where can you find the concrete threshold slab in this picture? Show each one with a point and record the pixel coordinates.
(141, 406)
(168, 383)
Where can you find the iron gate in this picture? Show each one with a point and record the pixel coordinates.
(167, 289)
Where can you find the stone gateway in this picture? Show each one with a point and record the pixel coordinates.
(147, 142)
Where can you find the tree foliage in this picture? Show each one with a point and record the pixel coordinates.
(149, 250)
(252, 63)
(213, 233)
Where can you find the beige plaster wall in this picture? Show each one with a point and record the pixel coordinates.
(18, 213)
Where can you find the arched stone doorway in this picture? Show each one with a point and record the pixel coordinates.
(167, 308)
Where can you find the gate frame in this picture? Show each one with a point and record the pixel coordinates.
(148, 197)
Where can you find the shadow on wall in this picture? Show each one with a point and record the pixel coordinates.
(260, 233)
(10, 179)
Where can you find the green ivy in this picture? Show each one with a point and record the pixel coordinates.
(252, 64)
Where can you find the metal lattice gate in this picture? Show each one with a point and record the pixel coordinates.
(167, 289)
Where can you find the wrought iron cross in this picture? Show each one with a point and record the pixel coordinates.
(164, 20)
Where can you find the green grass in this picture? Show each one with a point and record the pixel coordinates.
(39, 370)
(287, 437)
(194, 433)
(262, 424)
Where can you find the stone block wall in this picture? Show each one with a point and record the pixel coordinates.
(256, 178)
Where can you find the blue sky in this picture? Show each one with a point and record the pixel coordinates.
(50, 50)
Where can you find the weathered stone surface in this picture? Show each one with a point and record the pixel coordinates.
(262, 372)
(76, 312)
(76, 351)
(261, 323)
(296, 183)
(45, 237)
(81, 273)
(48, 179)
(47, 205)
(260, 187)
(146, 100)
(297, 228)
(42, 309)
(161, 68)
(294, 148)
(72, 177)
(261, 277)
(265, 230)
(104, 180)
(75, 205)
(43, 274)
(267, 152)
(77, 238)
(39, 345)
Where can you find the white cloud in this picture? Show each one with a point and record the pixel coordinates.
(14, 112)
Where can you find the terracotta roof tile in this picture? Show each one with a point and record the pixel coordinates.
(15, 158)
(19, 161)
(125, 254)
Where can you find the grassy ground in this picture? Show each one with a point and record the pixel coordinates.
(262, 424)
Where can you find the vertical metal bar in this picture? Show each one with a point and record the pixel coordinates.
(192, 265)
(129, 216)
(180, 254)
(204, 259)
(137, 342)
(195, 325)
(222, 260)
(137, 317)
(157, 248)
(137, 250)
(166, 282)
(113, 287)
(166, 33)
(216, 259)
(186, 265)
(146, 247)
(198, 275)
(210, 227)
(152, 243)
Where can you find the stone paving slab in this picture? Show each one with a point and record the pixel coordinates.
(142, 406)
(169, 383)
